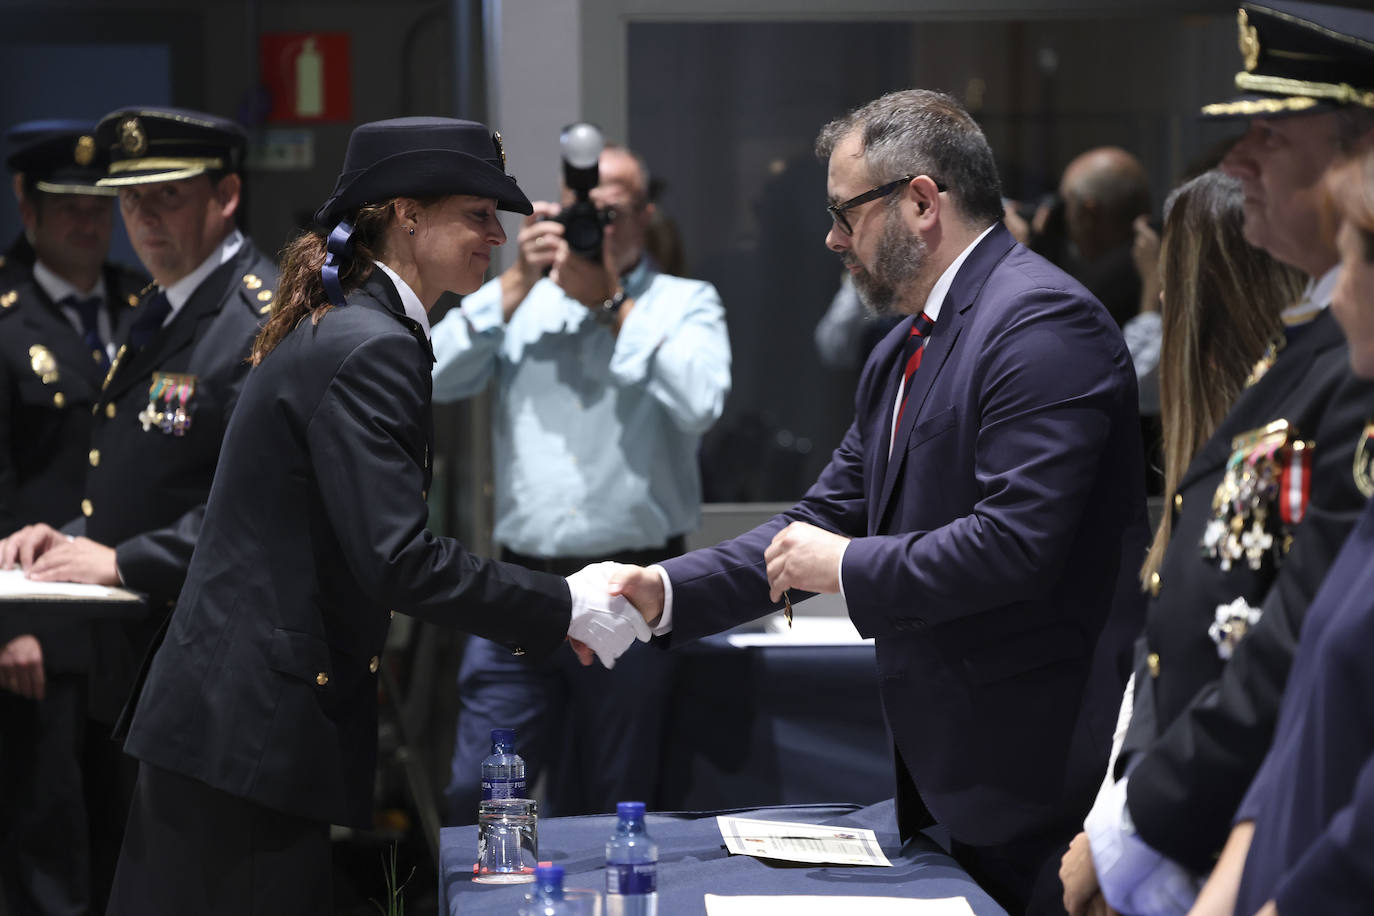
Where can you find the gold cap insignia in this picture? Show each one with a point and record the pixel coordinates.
(85, 150)
(1249, 41)
(43, 363)
(1364, 461)
(500, 148)
(132, 137)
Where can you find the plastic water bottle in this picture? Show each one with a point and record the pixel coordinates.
(631, 865)
(547, 898)
(503, 773)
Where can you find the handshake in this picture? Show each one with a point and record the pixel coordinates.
(613, 604)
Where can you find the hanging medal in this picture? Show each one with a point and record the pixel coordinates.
(150, 416)
(169, 393)
(1264, 472)
(182, 421)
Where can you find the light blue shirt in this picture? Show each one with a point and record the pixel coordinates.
(594, 436)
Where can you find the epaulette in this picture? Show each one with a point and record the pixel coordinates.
(257, 293)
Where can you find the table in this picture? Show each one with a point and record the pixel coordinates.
(693, 862)
(777, 725)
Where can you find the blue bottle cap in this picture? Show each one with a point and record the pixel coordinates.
(630, 810)
(549, 874)
(504, 736)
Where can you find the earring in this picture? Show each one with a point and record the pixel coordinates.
(412, 230)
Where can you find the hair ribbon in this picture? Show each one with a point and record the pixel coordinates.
(340, 246)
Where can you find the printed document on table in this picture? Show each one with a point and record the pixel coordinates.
(801, 842)
(716, 905)
(15, 586)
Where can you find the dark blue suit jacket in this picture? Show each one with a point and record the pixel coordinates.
(994, 554)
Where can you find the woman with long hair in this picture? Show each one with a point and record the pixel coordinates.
(256, 725)
(1221, 299)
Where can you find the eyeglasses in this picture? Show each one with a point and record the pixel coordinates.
(837, 210)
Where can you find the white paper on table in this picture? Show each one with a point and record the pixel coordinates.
(717, 905)
(801, 842)
(14, 585)
(805, 631)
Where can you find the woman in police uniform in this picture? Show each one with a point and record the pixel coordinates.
(256, 726)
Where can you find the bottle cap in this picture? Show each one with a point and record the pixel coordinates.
(630, 810)
(549, 874)
(504, 736)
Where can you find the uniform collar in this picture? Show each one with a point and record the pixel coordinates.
(1315, 297)
(409, 301)
(936, 299)
(58, 288)
(180, 291)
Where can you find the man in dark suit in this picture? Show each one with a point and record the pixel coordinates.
(984, 514)
(60, 310)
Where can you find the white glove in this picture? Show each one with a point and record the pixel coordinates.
(607, 625)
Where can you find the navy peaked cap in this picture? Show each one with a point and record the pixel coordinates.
(148, 144)
(1300, 58)
(59, 156)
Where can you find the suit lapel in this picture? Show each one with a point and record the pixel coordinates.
(121, 297)
(206, 302)
(963, 294)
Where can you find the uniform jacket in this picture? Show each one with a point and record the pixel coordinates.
(266, 684)
(146, 488)
(993, 554)
(1313, 799)
(1213, 721)
(48, 383)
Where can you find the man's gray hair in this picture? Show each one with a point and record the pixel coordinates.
(922, 132)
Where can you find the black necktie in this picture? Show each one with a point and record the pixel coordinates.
(89, 312)
(151, 314)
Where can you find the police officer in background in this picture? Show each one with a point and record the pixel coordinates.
(61, 306)
(161, 415)
(1266, 503)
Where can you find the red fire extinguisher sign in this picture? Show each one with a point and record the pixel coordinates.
(307, 76)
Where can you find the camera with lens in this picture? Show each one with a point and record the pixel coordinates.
(584, 224)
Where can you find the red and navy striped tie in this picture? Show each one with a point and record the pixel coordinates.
(920, 329)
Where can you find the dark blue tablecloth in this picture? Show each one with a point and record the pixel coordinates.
(781, 725)
(693, 862)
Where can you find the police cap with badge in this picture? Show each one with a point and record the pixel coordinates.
(57, 157)
(1300, 58)
(412, 157)
(147, 145)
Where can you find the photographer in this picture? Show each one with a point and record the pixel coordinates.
(607, 372)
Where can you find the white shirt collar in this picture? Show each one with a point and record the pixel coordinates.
(179, 292)
(409, 301)
(941, 288)
(1321, 290)
(58, 288)
(1316, 296)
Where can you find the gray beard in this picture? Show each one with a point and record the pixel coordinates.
(901, 256)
